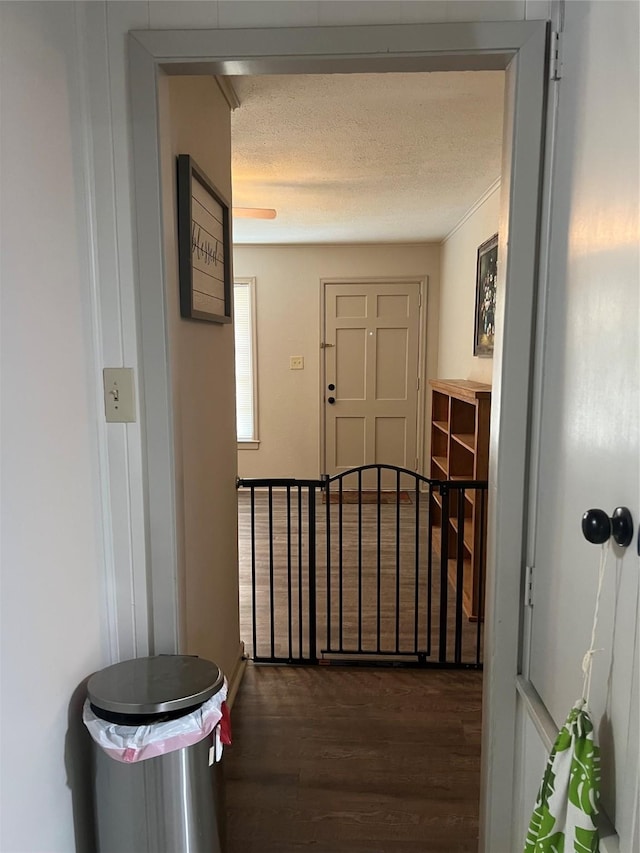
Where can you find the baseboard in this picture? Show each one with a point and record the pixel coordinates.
(236, 676)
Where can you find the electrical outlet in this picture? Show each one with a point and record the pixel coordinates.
(296, 362)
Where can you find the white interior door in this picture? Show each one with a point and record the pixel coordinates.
(371, 374)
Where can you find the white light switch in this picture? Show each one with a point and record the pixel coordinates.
(119, 399)
(296, 362)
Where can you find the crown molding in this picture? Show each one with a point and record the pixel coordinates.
(415, 244)
(494, 187)
(229, 92)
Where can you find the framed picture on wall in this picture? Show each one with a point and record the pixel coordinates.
(486, 280)
(204, 253)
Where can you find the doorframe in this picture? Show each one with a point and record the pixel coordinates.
(423, 289)
(520, 48)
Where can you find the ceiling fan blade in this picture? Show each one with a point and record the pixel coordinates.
(254, 213)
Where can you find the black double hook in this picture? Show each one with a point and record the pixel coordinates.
(597, 527)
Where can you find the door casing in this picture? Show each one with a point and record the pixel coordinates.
(520, 48)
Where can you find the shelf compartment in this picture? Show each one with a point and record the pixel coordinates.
(467, 584)
(461, 462)
(467, 536)
(463, 417)
(439, 443)
(466, 439)
(443, 426)
(440, 408)
(440, 462)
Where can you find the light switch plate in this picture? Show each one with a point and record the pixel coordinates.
(119, 397)
(296, 362)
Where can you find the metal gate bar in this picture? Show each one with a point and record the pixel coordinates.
(394, 648)
(483, 557)
(444, 579)
(415, 614)
(301, 576)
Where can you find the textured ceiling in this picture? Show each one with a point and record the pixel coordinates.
(364, 157)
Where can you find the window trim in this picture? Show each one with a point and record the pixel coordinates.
(252, 443)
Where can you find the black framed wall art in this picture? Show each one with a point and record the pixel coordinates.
(204, 251)
(486, 280)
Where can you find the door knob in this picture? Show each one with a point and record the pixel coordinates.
(331, 400)
(597, 527)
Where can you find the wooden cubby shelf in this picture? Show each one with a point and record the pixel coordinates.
(440, 463)
(460, 451)
(467, 440)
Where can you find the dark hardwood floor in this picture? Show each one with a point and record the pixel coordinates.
(337, 759)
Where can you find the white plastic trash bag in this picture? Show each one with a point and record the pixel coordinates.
(137, 743)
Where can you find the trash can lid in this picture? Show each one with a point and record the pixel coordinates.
(154, 684)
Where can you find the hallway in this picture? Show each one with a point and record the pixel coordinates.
(339, 759)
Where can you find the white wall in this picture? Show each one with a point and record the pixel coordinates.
(54, 626)
(196, 120)
(288, 297)
(458, 293)
(310, 13)
(589, 442)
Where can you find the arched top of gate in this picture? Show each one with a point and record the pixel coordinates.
(328, 480)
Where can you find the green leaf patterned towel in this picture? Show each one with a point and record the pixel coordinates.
(563, 819)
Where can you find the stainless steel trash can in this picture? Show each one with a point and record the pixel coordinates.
(171, 803)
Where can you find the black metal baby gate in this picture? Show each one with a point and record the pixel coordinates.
(377, 564)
